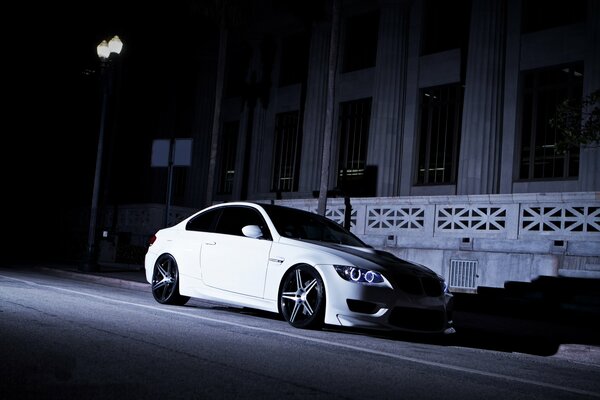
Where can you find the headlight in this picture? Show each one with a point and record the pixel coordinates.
(360, 275)
(444, 284)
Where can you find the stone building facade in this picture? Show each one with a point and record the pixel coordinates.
(441, 142)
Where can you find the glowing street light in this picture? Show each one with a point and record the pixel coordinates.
(105, 50)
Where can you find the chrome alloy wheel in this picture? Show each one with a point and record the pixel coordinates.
(302, 298)
(165, 281)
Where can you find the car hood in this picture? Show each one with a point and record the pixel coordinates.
(384, 259)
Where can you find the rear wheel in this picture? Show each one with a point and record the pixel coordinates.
(165, 281)
(302, 297)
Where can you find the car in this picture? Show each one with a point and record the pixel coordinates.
(296, 263)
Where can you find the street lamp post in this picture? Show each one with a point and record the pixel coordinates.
(105, 50)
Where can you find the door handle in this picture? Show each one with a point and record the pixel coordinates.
(210, 243)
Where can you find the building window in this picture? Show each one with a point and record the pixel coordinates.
(294, 60)
(538, 15)
(355, 117)
(238, 62)
(445, 25)
(543, 90)
(228, 156)
(286, 157)
(439, 136)
(360, 41)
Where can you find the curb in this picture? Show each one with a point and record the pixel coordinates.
(104, 280)
(581, 353)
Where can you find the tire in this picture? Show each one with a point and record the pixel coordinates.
(165, 281)
(302, 298)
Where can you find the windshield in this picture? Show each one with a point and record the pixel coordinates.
(298, 224)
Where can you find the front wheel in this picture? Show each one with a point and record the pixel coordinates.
(165, 281)
(302, 297)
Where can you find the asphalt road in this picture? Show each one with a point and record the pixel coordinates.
(63, 338)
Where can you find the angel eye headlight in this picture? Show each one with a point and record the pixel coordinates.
(371, 276)
(359, 275)
(445, 285)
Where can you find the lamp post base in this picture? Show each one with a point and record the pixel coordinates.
(89, 263)
(89, 267)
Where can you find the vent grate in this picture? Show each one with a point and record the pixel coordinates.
(463, 274)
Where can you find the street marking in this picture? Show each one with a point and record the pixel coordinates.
(325, 342)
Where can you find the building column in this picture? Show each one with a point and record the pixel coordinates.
(385, 134)
(479, 157)
(252, 116)
(196, 184)
(314, 111)
(589, 164)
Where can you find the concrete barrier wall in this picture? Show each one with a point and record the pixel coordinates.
(480, 240)
(514, 237)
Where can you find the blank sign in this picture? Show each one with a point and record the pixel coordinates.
(161, 150)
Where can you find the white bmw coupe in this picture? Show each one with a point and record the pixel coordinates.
(295, 263)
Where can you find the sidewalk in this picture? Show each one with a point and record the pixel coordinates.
(493, 327)
(120, 275)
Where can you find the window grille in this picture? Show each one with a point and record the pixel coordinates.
(394, 217)
(441, 118)
(463, 274)
(355, 117)
(560, 218)
(543, 91)
(286, 157)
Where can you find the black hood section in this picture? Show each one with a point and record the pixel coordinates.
(379, 257)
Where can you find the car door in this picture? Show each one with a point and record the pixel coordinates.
(198, 231)
(232, 262)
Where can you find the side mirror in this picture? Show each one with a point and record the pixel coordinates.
(252, 231)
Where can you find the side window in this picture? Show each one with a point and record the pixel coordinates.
(353, 172)
(233, 219)
(204, 222)
(288, 144)
(439, 136)
(543, 91)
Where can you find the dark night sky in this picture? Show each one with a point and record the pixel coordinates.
(52, 106)
(48, 99)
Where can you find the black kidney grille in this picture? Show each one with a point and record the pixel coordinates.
(409, 284)
(432, 287)
(418, 286)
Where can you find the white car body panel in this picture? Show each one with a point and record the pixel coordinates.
(248, 272)
(235, 263)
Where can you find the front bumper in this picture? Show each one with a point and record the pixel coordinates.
(358, 305)
(402, 316)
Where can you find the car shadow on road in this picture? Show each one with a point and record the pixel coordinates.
(527, 317)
